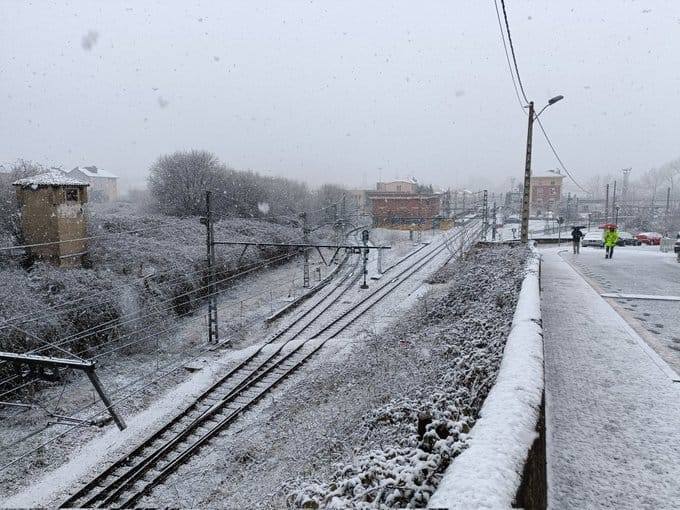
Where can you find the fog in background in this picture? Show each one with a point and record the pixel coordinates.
(345, 92)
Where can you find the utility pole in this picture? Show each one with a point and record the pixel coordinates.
(485, 216)
(668, 210)
(343, 212)
(213, 331)
(526, 195)
(364, 240)
(447, 204)
(305, 240)
(493, 225)
(606, 204)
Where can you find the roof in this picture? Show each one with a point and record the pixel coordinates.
(409, 181)
(402, 195)
(52, 178)
(93, 171)
(553, 175)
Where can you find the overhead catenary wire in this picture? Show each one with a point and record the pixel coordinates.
(39, 315)
(115, 402)
(137, 331)
(115, 322)
(175, 364)
(87, 238)
(115, 391)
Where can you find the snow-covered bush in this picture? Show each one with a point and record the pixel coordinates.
(410, 440)
(144, 273)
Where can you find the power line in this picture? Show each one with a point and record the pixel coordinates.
(512, 50)
(552, 148)
(521, 86)
(507, 56)
(102, 236)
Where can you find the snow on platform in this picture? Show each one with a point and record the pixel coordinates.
(651, 297)
(612, 410)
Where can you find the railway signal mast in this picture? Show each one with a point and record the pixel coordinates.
(213, 331)
(365, 250)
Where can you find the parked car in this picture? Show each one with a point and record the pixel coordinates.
(593, 239)
(676, 246)
(627, 239)
(650, 238)
(513, 218)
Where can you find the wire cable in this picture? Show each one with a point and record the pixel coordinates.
(507, 57)
(554, 151)
(521, 87)
(512, 50)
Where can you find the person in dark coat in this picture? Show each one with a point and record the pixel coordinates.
(576, 236)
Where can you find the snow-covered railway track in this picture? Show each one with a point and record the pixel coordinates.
(134, 475)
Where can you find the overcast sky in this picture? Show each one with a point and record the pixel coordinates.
(340, 91)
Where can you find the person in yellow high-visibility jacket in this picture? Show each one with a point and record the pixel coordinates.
(611, 236)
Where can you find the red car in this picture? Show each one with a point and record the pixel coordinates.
(650, 238)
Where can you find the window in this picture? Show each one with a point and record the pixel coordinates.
(71, 194)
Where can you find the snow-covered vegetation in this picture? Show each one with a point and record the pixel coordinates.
(177, 184)
(410, 440)
(378, 417)
(148, 271)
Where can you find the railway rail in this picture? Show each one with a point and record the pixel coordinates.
(135, 474)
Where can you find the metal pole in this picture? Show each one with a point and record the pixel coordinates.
(668, 210)
(213, 332)
(105, 399)
(606, 204)
(364, 239)
(305, 265)
(526, 195)
(493, 225)
(485, 224)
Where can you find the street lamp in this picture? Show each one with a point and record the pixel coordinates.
(527, 166)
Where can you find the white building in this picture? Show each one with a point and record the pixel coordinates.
(103, 184)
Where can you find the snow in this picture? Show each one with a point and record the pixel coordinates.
(93, 171)
(113, 442)
(611, 408)
(51, 178)
(488, 473)
(650, 297)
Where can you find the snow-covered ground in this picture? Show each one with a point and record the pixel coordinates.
(387, 403)
(242, 310)
(612, 408)
(140, 377)
(639, 271)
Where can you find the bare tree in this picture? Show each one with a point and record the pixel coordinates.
(178, 182)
